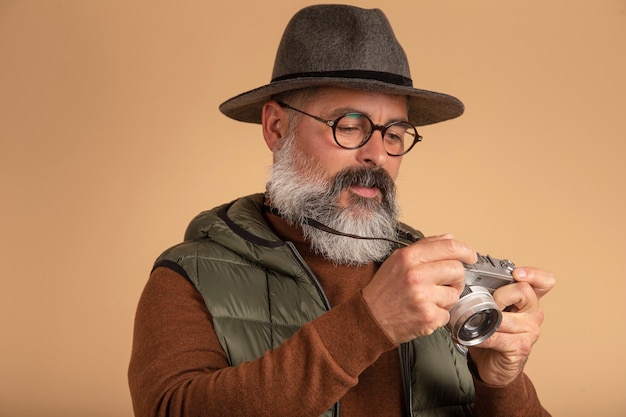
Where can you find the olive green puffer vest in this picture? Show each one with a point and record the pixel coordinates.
(235, 261)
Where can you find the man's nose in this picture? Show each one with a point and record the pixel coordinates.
(373, 153)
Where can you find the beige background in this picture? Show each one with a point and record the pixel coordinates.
(110, 141)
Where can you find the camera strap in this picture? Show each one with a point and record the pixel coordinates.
(320, 226)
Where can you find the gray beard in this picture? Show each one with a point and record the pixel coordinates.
(298, 190)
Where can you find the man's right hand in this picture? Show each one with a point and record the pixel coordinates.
(414, 288)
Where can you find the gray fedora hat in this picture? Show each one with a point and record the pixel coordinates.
(343, 46)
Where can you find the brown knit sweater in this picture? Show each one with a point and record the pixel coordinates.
(178, 367)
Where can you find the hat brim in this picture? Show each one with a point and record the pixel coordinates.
(425, 107)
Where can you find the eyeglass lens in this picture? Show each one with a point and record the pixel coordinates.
(353, 130)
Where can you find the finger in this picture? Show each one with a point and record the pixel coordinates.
(517, 332)
(446, 273)
(541, 281)
(439, 237)
(441, 248)
(518, 323)
(519, 295)
(446, 296)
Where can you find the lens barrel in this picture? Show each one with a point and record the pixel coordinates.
(475, 317)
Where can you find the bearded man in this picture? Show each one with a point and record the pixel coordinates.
(312, 298)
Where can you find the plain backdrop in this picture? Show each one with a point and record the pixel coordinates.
(111, 141)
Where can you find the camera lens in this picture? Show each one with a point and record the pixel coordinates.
(475, 321)
(479, 325)
(474, 317)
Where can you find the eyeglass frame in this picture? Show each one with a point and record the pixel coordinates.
(383, 129)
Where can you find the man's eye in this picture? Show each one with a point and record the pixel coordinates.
(349, 129)
(393, 137)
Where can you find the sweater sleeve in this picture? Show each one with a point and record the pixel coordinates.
(178, 367)
(518, 399)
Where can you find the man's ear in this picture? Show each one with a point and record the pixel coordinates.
(275, 124)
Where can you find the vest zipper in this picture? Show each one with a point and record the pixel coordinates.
(405, 368)
(320, 291)
(311, 275)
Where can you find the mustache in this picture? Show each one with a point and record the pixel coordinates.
(364, 177)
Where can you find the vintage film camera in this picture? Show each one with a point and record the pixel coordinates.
(475, 317)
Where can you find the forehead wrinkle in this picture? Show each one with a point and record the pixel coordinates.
(343, 111)
(324, 99)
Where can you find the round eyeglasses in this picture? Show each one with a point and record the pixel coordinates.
(353, 130)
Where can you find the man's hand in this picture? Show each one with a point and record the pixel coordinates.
(414, 288)
(501, 358)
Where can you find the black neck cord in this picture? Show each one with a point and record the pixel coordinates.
(320, 226)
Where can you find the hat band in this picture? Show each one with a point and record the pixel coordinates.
(385, 77)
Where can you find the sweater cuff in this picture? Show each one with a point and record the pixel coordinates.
(518, 398)
(352, 335)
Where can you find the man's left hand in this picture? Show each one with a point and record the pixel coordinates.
(501, 358)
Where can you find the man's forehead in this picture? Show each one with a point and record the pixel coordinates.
(343, 100)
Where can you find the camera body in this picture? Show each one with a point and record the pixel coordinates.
(475, 317)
